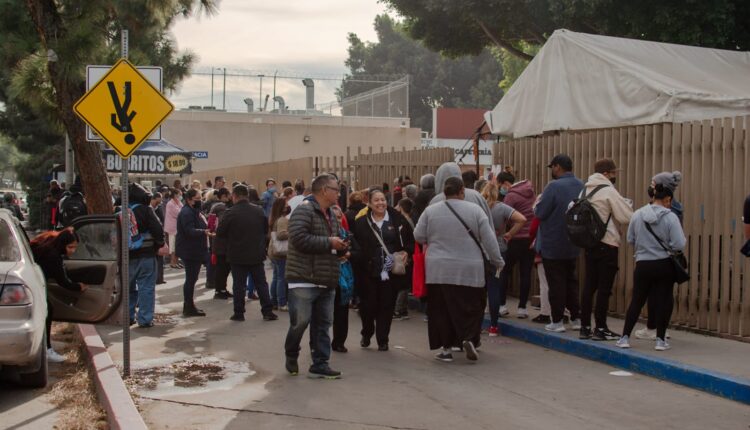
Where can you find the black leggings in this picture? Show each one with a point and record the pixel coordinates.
(653, 281)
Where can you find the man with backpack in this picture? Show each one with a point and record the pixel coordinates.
(146, 237)
(72, 206)
(608, 211)
(558, 253)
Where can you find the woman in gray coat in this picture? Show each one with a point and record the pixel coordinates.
(455, 273)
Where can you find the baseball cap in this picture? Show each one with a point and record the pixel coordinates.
(563, 161)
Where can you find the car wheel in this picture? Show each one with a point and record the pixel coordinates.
(37, 379)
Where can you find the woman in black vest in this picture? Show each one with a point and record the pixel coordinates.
(379, 225)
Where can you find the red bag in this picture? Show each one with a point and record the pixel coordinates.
(419, 287)
(214, 259)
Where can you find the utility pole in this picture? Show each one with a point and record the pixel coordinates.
(124, 249)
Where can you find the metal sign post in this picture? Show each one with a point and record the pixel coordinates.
(125, 234)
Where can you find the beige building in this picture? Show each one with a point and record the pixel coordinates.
(236, 139)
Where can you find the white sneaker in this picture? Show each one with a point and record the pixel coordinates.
(522, 313)
(54, 357)
(662, 345)
(555, 327)
(624, 342)
(645, 333)
(575, 324)
(504, 311)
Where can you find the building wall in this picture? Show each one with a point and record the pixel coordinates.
(237, 139)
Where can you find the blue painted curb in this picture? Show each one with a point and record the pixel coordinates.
(717, 383)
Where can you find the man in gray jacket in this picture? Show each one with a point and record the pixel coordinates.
(312, 271)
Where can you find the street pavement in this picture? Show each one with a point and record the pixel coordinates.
(514, 384)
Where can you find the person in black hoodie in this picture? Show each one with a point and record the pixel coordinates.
(49, 248)
(424, 196)
(243, 228)
(192, 247)
(142, 266)
(379, 286)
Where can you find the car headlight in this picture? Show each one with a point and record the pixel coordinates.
(15, 295)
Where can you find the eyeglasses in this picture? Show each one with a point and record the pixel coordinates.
(333, 188)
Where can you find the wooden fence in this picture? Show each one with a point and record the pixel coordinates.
(360, 171)
(714, 157)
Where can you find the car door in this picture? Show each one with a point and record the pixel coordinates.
(96, 264)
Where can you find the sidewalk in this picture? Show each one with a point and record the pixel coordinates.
(693, 356)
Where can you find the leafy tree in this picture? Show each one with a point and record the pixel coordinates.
(435, 81)
(42, 70)
(459, 27)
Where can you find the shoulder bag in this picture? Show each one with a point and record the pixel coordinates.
(487, 265)
(400, 258)
(679, 261)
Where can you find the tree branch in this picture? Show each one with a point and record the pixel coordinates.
(503, 44)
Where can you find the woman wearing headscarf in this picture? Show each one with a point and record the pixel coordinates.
(379, 231)
(459, 239)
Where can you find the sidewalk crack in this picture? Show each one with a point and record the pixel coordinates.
(281, 414)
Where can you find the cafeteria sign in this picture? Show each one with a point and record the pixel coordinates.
(153, 163)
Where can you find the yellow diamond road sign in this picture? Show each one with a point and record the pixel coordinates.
(123, 108)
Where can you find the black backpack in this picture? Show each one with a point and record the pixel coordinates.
(583, 224)
(71, 208)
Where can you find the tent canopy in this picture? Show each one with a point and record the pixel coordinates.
(580, 81)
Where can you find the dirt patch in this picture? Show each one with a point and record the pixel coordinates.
(197, 372)
(164, 318)
(74, 393)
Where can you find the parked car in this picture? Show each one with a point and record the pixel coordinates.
(24, 292)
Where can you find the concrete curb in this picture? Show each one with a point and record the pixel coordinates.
(717, 383)
(110, 388)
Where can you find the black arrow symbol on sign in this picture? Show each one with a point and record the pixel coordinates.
(121, 119)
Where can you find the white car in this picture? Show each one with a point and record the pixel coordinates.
(24, 292)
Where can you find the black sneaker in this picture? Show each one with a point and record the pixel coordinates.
(444, 356)
(193, 312)
(291, 365)
(541, 319)
(585, 333)
(471, 351)
(237, 317)
(383, 347)
(605, 334)
(270, 317)
(221, 295)
(323, 373)
(365, 342)
(340, 348)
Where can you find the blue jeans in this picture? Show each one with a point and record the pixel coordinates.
(142, 272)
(250, 286)
(313, 307)
(240, 273)
(495, 291)
(279, 284)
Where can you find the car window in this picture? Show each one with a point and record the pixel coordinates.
(24, 238)
(98, 242)
(8, 246)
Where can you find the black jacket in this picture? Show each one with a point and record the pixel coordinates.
(243, 229)
(398, 236)
(149, 225)
(192, 242)
(51, 263)
(310, 258)
(420, 203)
(351, 214)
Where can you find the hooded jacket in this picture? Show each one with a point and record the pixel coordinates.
(451, 170)
(521, 197)
(608, 201)
(665, 224)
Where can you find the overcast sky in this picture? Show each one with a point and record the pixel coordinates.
(293, 37)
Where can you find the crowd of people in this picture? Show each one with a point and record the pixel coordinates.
(333, 249)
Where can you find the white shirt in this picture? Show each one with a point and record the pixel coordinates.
(294, 202)
(380, 223)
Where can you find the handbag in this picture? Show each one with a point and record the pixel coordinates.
(400, 258)
(418, 277)
(488, 269)
(278, 248)
(679, 261)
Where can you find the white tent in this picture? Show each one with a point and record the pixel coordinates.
(579, 81)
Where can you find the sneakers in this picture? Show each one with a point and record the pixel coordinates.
(193, 312)
(398, 316)
(383, 347)
(575, 324)
(444, 356)
(237, 317)
(623, 342)
(146, 325)
(541, 319)
(340, 348)
(323, 373)
(504, 311)
(270, 317)
(284, 308)
(662, 345)
(291, 365)
(365, 342)
(646, 333)
(585, 333)
(54, 357)
(222, 295)
(557, 327)
(605, 334)
(493, 332)
(471, 351)
(522, 313)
